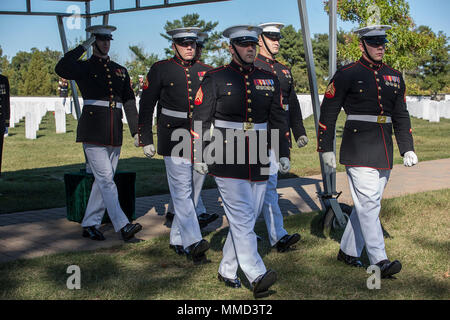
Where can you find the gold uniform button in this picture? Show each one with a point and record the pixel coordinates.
(189, 82)
(354, 130)
(247, 83)
(267, 94)
(275, 72)
(248, 91)
(250, 119)
(246, 77)
(171, 84)
(249, 100)
(320, 147)
(109, 76)
(381, 105)
(249, 109)
(105, 65)
(110, 82)
(229, 93)
(168, 125)
(320, 139)
(376, 72)
(110, 89)
(189, 89)
(188, 75)
(378, 80)
(190, 98)
(379, 88)
(381, 112)
(107, 69)
(361, 90)
(91, 113)
(187, 69)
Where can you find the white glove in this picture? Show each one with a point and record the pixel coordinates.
(88, 43)
(201, 168)
(136, 140)
(149, 150)
(302, 141)
(410, 159)
(285, 165)
(329, 159)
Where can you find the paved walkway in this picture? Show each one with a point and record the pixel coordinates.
(42, 232)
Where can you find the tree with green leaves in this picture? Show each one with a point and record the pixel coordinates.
(141, 63)
(213, 52)
(406, 47)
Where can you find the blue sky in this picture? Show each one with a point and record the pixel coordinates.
(143, 28)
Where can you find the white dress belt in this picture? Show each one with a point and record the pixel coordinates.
(102, 103)
(176, 114)
(240, 125)
(369, 118)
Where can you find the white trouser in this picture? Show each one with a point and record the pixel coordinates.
(103, 163)
(197, 185)
(242, 202)
(364, 228)
(185, 229)
(272, 213)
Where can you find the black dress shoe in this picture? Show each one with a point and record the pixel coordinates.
(92, 233)
(288, 240)
(198, 248)
(170, 216)
(262, 284)
(389, 268)
(130, 230)
(352, 261)
(205, 218)
(178, 249)
(233, 283)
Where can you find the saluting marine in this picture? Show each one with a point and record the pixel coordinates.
(269, 43)
(373, 97)
(242, 102)
(105, 87)
(4, 112)
(172, 84)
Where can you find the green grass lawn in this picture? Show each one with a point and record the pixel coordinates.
(33, 170)
(418, 225)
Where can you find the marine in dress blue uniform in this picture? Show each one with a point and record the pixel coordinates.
(105, 87)
(241, 101)
(203, 217)
(269, 42)
(172, 85)
(373, 97)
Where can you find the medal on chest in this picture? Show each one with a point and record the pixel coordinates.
(264, 84)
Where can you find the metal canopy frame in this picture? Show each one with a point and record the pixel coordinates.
(329, 196)
(88, 15)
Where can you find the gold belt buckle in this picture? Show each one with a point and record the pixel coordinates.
(249, 126)
(113, 104)
(381, 119)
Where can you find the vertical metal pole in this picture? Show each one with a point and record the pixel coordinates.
(111, 5)
(312, 82)
(105, 19)
(62, 34)
(329, 201)
(138, 3)
(28, 5)
(332, 39)
(88, 24)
